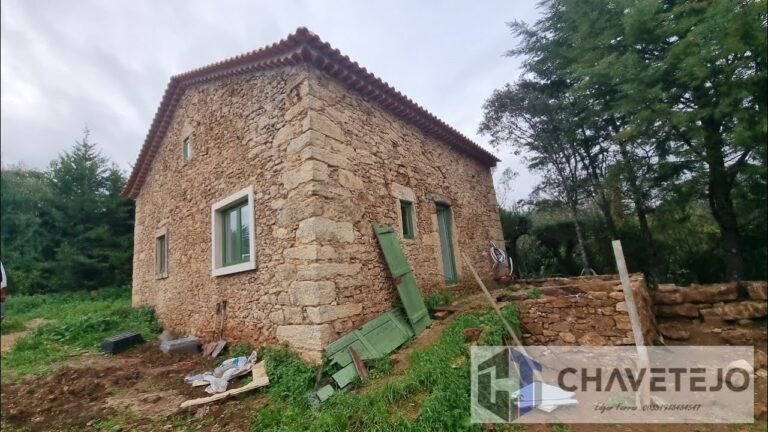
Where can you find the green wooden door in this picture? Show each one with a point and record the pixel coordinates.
(446, 243)
(403, 278)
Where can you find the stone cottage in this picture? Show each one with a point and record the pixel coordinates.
(260, 179)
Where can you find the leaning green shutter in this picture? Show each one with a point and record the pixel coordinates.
(403, 277)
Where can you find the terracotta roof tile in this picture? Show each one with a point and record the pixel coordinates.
(302, 46)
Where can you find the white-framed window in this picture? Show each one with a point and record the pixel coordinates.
(161, 254)
(232, 234)
(186, 149)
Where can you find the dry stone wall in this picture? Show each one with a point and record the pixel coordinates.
(715, 303)
(585, 311)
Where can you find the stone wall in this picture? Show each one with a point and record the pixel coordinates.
(233, 124)
(715, 303)
(348, 167)
(324, 165)
(584, 311)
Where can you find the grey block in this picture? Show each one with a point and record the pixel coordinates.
(188, 344)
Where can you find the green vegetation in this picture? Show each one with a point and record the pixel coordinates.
(534, 293)
(66, 228)
(74, 323)
(435, 299)
(433, 377)
(646, 122)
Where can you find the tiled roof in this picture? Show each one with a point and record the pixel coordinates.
(302, 46)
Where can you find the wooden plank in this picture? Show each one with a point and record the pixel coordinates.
(643, 395)
(402, 276)
(362, 372)
(629, 299)
(495, 307)
(260, 379)
(325, 392)
(345, 376)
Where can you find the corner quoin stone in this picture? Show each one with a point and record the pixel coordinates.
(312, 293)
(322, 229)
(323, 314)
(308, 337)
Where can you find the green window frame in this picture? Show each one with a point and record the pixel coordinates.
(406, 215)
(186, 149)
(235, 225)
(161, 255)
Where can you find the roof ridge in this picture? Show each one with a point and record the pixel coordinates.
(301, 46)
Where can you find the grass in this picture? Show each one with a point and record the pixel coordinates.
(75, 323)
(430, 372)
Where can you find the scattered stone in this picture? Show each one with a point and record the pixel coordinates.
(737, 336)
(674, 331)
(716, 330)
(441, 315)
(568, 337)
(151, 398)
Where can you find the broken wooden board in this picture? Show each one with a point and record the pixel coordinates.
(372, 340)
(325, 392)
(345, 376)
(402, 276)
(260, 379)
(218, 348)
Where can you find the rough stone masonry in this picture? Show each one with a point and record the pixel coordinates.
(324, 163)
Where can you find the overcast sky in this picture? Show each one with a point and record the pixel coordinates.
(106, 64)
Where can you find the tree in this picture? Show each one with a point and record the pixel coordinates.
(644, 94)
(67, 228)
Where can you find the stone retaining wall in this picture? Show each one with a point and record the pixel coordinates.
(713, 304)
(584, 311)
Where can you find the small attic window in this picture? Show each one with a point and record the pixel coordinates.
(186, 149)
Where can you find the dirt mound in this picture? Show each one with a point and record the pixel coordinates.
(96, 386)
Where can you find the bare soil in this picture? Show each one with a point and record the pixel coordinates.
(143, 385)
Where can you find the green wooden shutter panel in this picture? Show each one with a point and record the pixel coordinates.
(403, 277)
(372, 340)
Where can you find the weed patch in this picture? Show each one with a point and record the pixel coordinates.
(437, 299)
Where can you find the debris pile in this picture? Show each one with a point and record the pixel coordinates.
(218, 379)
